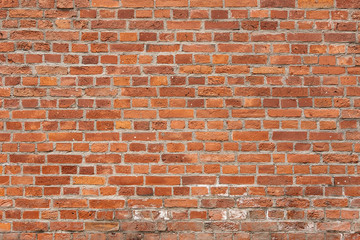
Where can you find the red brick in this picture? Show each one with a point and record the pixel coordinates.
(29, 137)
(339, 37)
(106, 204)
(303, 158)
(30, 226)
(235, 3)
(347, 4)
(232, 69)
(250, 59)
(342, 158)
(5, 227)
(66, 36)
(65, 4)
(143, 114)
(7, 47)
(214, 91)
(138, 226)
(305, 37)
(218, 203)
(70, 203)
(188, 25)
(210, 3)
(250, 136)
(156, 25)
(102, 137)
(26, 35)
(104, 114)
(291, 113)
(138, 136)
(217, 158)
(126, 180)
(254, 202)
(107, 158)
(243, 48)
(141, 158)
(137, 3)
(316, 4)
(248, 113)
(250, 91)
(196, 69)
(254, 158)
(177, 92)
(233, 25)
(310, 180)
(86, 70)
(156, 180)
(293, 202)
(212, 136)
(175, 136)
(32, 203)
(321, 113)
(213, 113)
(105, 3)
(65, 136)
(277, 3)
(185, 203)
(194, 180)
(254, 227)
(9, 4)
(178, 113)
(346, 180)
(238, 180)
(275, 180)
(334, 226)
(27, 158)
(287, 92)
(290, 136)
(179, 158)
(84, 180)
(101, 226)
(108, 24)
(171, 3)
(64, 158)
(325, 136)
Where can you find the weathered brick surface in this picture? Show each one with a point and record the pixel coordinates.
(179, 119)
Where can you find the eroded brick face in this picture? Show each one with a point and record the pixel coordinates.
(179, 119)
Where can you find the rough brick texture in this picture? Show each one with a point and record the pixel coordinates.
(179, 119)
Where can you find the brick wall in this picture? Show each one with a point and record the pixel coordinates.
(179, 119)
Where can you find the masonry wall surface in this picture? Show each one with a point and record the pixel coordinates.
(179, 119)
